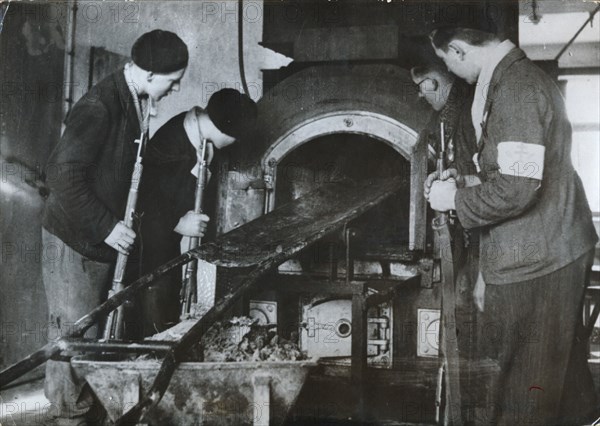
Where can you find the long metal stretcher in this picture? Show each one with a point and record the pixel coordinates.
(247, 253)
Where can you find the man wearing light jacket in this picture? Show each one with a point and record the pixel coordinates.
(537, 235)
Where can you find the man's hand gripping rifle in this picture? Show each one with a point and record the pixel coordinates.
(114, 323)
(450, 367)
(189, 291)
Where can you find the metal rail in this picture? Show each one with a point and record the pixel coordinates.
(570, 42)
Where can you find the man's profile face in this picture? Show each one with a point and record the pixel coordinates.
(160, 85)
(458, 63)
(430, 89)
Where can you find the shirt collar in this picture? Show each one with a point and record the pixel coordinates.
(145, 106)
(484, 80)
(192, 126)
(493, 59)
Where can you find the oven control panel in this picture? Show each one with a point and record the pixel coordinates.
(326, 331)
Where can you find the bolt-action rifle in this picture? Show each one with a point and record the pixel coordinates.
(441, 225)
(189, 292)
(114, 323)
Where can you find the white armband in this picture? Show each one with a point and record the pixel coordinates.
(521, 159)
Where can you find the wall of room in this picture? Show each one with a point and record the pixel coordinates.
(210, 30)
(31, 77)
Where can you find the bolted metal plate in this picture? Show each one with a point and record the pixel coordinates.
(428, 334)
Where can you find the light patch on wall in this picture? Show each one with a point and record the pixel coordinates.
(210, 30)
(272, 59)
(557, 28)
(544, 40)
(584, 112)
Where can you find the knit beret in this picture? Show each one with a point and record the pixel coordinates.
(159, 51)
(232, 112)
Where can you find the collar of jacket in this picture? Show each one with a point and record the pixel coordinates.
(128, 105)
(126, 99)
(192, 126)
(513, 56)
(460, 93)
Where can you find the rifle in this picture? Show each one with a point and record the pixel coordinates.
(189, 293)
(451, 364)
(114, 322)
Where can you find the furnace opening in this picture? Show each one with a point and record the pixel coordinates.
(352, 157)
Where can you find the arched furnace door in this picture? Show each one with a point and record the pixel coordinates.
(375, 104)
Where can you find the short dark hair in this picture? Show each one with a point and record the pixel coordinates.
(423, 70)
(442, 37)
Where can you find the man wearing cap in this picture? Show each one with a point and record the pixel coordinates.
(168, 191)
(89, 175)
(537, 235)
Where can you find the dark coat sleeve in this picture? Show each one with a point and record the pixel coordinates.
(166, 193)
(511, 183)
(73, 164)
(169, 160)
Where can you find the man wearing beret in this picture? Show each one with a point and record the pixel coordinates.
(168, 188)
(89, 175)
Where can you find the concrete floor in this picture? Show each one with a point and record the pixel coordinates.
(24, 405)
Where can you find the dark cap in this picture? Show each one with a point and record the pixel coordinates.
(232, 112)
(159, 51)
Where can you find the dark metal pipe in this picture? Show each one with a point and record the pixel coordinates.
(590, 19)
(49, 350)
(87, 345)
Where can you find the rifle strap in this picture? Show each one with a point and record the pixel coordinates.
(453, 415)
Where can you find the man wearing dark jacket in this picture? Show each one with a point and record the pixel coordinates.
(537, 236)
(89, 174)
(451, 100)
(168, 189)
